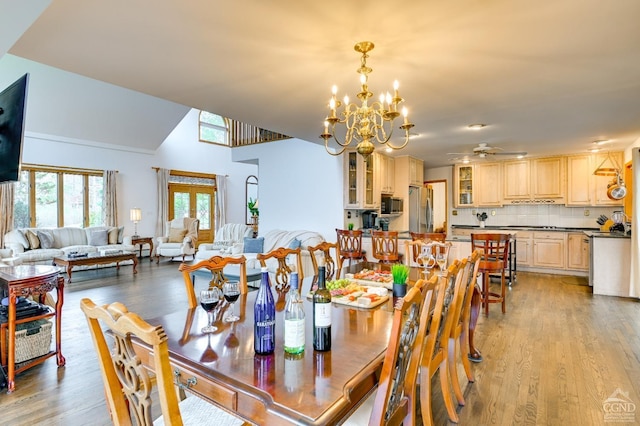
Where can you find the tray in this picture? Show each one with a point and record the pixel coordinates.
(344, 300)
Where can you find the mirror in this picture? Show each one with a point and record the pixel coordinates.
(438, 197)
(251, 193)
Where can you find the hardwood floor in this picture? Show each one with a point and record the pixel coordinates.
(553, 359)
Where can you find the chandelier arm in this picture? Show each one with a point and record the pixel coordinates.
(326, 147)
(406, 141)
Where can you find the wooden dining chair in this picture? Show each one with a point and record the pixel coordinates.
(215, 265)
(431, 236)
(332, 263)
(385, 246)
(128, 385)
(435, 357)
(494, 249)
(350, 246)
(284, 265)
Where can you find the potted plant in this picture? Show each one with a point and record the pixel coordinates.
(482, 217)
(400, 273)
(350, 226)
(252, 205)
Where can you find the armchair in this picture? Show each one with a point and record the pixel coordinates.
(180, 240)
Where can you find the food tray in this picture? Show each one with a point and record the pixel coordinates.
(368, 283)
(354, 304)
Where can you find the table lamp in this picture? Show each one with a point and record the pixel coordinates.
(135, 214)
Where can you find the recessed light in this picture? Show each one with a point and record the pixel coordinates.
(476, 126)
(465, 161)
(594, 150)
(601, 141)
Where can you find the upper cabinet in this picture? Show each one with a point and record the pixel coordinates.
(386, 172)
(583, 187)
(478, 185)
(516, 180)
(360, 181)
(535, 179)
(409, 172)
(416, 172)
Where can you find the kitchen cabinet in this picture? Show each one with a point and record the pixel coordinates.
(386, 173)
(524, 248)
(516, 180)
(583, 187)
(478, 185)
(359, 182)
(463, 191)
(577, 251)
(409, 170)
(535, 179)
(549, 249)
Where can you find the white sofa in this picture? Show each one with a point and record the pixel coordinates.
(54, 242)
(271, 240)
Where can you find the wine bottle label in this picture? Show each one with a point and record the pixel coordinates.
(293, 333)
(322, 315)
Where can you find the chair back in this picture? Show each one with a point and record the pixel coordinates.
(494, 249)
(385, 246)
(215, 265)
(432, 236)
(127, 383)
(471, 282)
(284, 266)
(332, 263)
(350, 245)
(452, 283)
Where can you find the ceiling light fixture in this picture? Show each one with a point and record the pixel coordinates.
(601, 141)
(477, 126)
(366, 122)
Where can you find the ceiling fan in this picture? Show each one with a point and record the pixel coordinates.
(483, 150)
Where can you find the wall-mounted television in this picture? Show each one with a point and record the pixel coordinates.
(13, 107)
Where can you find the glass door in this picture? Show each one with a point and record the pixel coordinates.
(193, 201)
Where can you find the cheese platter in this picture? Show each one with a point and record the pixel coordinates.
(349, 293)
(372, 278)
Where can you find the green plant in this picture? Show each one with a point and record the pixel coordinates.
(400, 273)
(350, 226)
(252, 205)
(482, 216)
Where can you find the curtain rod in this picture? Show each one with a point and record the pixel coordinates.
(62, 168)
(185, 172)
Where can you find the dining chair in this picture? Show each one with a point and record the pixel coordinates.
(281, 262)
(385, 246)
(350, 246)
(128, 385)
(494, 249)
(435, 357)
(431, 236)
(332, 263)
(216, 266)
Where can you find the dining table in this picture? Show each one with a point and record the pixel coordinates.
(311, 388)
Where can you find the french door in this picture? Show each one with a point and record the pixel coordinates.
(193, 201)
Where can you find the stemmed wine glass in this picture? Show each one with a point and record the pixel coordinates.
(231, 292)
(441, 259)
(209, 300)
(426, 259)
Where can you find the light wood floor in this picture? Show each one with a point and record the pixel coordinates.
(553, 359)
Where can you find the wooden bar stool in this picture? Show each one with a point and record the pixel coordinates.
(385, 246)
(494, 249)
(350, 246)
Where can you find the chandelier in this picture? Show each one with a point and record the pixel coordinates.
(365, 123)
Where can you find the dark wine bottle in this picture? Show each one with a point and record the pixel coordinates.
(264, 314)
(322, 314)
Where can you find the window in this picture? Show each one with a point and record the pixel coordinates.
(213, 128)
(53, 197)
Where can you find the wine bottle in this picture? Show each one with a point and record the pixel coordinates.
(322, 314)
(264, 314)
(293, 318)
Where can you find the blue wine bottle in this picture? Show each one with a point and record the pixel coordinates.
(264, 314)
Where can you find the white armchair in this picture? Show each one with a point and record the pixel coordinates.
(180, 240)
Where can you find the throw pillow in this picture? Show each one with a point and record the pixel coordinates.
(253, 245)
(99, 238)
(120, 234)
(34, 241)
(296, 243)
(176, 235)
(46, 239)
(113, 236)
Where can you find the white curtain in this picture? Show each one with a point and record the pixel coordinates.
(221, 201)
(7, 191)
(634, 282)
(110, 203)
(163, 201)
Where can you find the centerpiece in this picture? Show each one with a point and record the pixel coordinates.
(400, 274)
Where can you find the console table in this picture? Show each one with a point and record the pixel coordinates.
(25, 280)
(142, 241)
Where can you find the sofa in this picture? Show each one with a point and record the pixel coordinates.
(38, 246)
(250, 247)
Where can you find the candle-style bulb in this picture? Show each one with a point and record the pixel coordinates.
(334, 89)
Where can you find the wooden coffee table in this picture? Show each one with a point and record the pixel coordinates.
(96, 259)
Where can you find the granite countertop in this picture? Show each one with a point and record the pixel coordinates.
(527, 228)
(603, 234)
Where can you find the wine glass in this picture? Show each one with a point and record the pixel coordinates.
(209, 300)
(441, 260)
(426, 259)
(231, 292)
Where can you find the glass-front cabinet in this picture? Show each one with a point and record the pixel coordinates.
(464, 195)
(359, 181)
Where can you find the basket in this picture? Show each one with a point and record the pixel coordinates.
(33, 339)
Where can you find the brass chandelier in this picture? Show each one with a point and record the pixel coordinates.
(365, 123)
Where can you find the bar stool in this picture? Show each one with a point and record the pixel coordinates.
(385, 246)
(494, 249)
(350, 246)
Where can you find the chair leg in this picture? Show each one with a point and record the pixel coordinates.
(504, 293)
(446, 395)
(485, 292)
(425, 397)
(453, 370)
(464, 352)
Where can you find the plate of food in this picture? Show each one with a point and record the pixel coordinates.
(373, 277)
(348, 292)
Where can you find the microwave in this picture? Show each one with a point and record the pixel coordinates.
(390, 205)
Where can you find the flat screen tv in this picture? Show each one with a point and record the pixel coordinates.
(13, 107)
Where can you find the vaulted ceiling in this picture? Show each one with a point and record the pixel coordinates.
(546, 77)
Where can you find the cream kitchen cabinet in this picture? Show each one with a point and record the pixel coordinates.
(478, 185)
(549, 249)
(360, 181)
(524, 248)
(535, 179)
(577, 251)
(463, 185)
(386, 173)
(583, 187)
(410, 170)
(516, 180)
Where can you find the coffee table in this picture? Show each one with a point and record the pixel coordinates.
(96, 259)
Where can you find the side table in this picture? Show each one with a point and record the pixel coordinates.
(25, 280)
(142, 241)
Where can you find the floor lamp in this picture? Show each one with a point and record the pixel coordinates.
(135, 214)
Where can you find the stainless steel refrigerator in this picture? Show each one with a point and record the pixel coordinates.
(420, 209)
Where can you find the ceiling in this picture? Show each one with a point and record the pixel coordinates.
(546, 77)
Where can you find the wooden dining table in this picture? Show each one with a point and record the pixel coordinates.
(313, 388)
